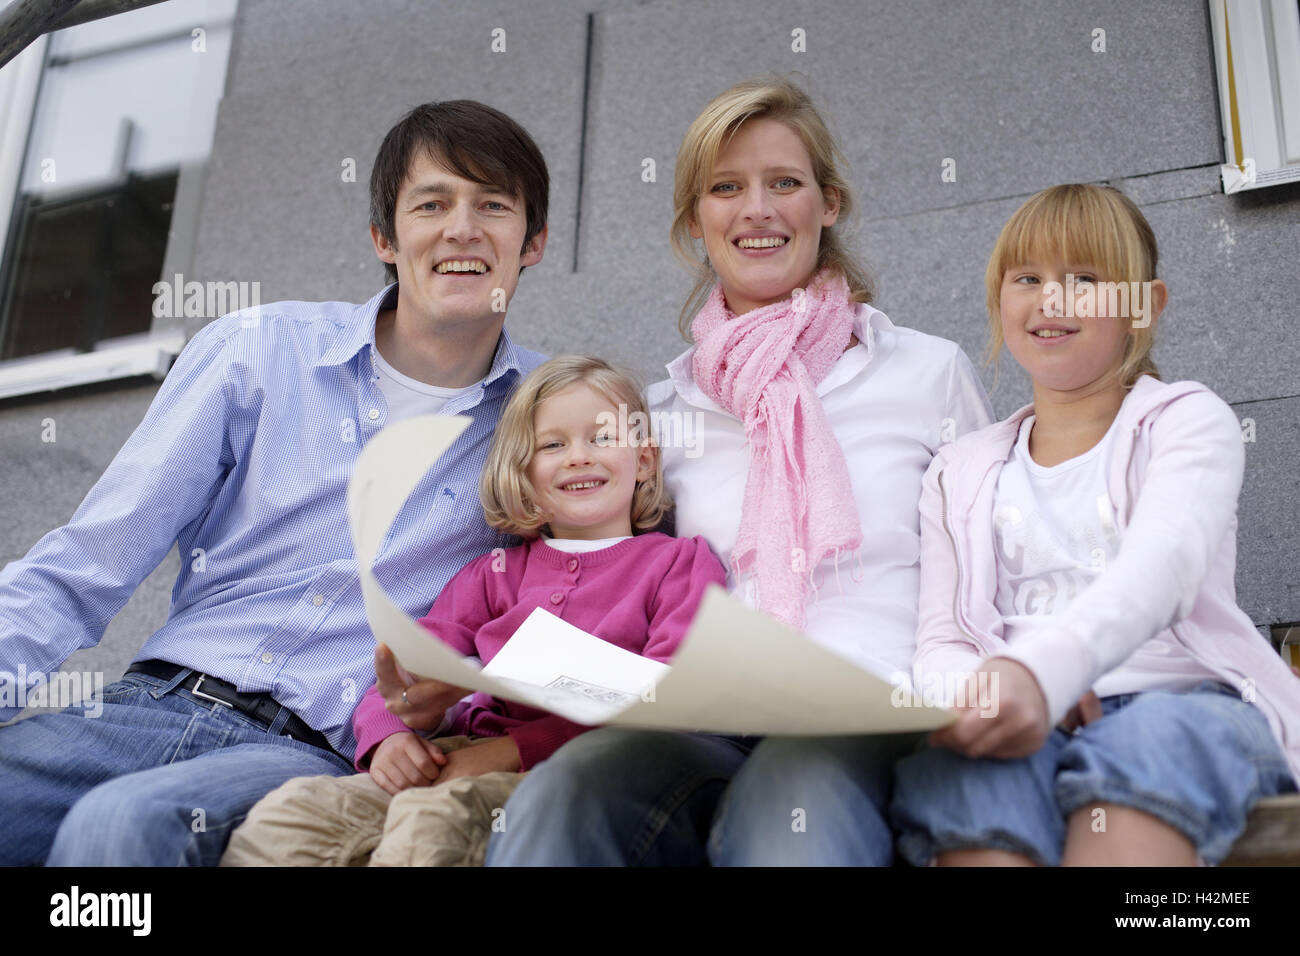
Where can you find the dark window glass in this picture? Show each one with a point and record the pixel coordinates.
(81, 268)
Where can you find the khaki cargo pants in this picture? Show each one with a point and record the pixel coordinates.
(352, 821)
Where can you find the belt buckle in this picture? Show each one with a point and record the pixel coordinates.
(198, 693)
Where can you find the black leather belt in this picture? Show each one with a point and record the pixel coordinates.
(260, 707)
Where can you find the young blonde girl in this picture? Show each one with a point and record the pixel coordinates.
(1079, 558)
(586, 496)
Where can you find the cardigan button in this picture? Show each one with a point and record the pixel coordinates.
(573, 564)
(557, 597)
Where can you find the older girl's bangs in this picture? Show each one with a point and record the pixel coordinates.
(1079, 228)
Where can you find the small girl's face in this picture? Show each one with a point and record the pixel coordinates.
(585, 465)
(1058, 327)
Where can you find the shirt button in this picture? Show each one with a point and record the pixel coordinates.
(318, 600)
(373, 414)
(557, 597)
(267, 657)
(573, 564)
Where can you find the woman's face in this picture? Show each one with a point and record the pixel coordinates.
(761, 215)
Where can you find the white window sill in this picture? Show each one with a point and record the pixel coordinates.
(149, 354)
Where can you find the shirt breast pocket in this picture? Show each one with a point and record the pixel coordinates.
(437, 532)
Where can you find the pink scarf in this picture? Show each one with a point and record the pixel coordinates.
(764, 367)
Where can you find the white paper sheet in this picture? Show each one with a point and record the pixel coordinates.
(737, 671)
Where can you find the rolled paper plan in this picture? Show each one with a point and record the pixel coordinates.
(736, 672)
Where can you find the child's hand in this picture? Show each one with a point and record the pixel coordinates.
(499, 753)
(419, 703)
(1015, 726)
(406, 760)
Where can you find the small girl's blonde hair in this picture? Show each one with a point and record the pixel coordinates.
(509, 499)
(776, 98)
(1079, 223)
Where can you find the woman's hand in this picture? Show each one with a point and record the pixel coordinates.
(498, 753)
(1015, 726)
(419, 703)
(405, 760)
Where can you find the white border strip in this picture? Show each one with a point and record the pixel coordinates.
(63, 369)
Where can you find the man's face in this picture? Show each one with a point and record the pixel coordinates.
(457, 245)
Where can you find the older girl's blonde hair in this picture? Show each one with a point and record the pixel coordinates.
(1079, 223)
(509, 498)
(774, 98)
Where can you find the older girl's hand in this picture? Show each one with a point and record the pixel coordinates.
(1015, 725)
(420, 703)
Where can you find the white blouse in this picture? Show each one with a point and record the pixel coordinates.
(892, 399)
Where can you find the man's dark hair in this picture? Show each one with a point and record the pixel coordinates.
(473, 140)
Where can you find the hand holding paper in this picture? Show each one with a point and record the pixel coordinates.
(420, 703)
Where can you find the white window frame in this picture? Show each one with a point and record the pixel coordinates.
(1257, 60)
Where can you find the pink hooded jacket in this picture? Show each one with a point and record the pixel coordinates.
(1174, 483)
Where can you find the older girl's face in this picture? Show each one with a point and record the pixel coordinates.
(762, 214)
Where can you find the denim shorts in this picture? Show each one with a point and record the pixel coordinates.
(1197, 760)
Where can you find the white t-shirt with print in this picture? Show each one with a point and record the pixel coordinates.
(1055, 531)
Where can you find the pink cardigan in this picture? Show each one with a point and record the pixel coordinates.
(1175, 484)
(639, 594)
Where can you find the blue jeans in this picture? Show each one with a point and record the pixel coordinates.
(1197, 761)
(630, 797)
(159, 778)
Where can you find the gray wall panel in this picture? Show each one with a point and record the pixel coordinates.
(1268, 545)
(1011, 91)
(45, 482)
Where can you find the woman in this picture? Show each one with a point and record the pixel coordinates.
(817, 419)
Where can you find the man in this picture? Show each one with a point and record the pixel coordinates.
(242, 461)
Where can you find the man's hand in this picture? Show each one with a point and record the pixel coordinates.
(1019, 722)
(498, 753)
(406, 760)
(419, 703)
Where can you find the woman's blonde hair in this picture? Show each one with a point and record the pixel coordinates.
(509, 499)
(1078, 223)
(776, 98)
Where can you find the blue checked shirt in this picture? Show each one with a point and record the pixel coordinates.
(243, 461)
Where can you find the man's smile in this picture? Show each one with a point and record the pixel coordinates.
(462, 267)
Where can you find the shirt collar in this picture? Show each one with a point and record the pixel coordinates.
(358, 332)
(358, 329)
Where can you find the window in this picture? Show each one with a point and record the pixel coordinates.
(103, 121)
(1257, 57)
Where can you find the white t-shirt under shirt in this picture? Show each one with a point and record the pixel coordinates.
(408, 397)
(1055, 531)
